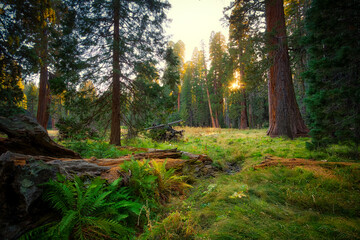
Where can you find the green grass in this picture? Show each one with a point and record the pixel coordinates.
(236, 146)
(277, 203)
(272, 203)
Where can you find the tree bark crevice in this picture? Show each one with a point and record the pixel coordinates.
(284, 115)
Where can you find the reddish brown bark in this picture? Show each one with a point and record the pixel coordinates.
(115, 134)
(284, 115)
(217, 125)
(44, 90)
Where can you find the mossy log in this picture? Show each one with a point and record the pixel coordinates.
(21, 178)
(26, 136)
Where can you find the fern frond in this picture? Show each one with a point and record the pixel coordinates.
(38, 233)
(60, 196)
(110, 226)
(68, 222)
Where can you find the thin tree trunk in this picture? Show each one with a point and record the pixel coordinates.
(251, 122)
(115, 134)
(217, 125)
(44, 90)
(284, 115)
(244, 123)
(211, 114)
(244, 117)
(208, 97)
(178, 101)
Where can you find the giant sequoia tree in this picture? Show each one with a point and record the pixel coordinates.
(284, 115)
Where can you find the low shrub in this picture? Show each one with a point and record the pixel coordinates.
(71, 128)
(98, 149)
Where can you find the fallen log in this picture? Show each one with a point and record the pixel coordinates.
(164, 125)
(21, 177)
(164, 132)
(294, 162)
(26, 136)
(104, 167)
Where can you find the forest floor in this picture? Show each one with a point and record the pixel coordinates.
(269, 188)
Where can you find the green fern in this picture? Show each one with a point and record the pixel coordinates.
(142, 182)
(94, 210)
(168, 183)
(154, 183)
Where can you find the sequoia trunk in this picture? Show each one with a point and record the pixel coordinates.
(284, 115)
(115, 134)
(44, 90)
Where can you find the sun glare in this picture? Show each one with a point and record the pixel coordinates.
(235, 85)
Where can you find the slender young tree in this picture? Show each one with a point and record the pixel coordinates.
(284, 115)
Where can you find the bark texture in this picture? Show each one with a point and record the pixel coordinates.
(26, 136)
(284, 115)
(44, 89)
(115, 134)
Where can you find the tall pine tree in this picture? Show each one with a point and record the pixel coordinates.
(119, 35)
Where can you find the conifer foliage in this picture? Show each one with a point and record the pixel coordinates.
(333, 75)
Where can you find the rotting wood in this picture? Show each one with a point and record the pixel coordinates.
(27, 137)
(295, 162)
(109, 168)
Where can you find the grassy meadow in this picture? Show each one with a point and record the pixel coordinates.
(271, 203)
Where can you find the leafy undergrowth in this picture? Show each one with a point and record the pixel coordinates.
(99, 149)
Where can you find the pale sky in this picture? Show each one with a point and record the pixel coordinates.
(194, 20)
